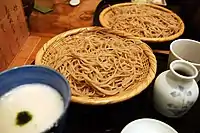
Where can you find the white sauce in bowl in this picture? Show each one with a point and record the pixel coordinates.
(42, 102)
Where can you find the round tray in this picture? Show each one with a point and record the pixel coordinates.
(127, 94)
(103, 20)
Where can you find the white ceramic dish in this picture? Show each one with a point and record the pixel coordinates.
(147, 125)
(186, 49)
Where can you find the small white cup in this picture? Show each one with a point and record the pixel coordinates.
(187, 50)
(147, 125)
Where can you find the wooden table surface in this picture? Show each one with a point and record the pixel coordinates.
(63, 17)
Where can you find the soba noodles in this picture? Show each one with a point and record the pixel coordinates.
(143, 21)
(98, 63)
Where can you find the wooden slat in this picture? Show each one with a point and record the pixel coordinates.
(161, 51)
(23, 57)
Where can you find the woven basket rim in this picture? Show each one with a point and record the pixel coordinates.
(111, 99)
(169, 38)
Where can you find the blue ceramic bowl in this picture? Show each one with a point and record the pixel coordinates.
(38, 74)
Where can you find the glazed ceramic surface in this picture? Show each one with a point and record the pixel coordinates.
(147, 125)
(186, 49)
(175, 90)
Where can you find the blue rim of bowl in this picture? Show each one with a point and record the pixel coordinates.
(57, 73)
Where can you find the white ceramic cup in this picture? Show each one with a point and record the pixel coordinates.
(188, 50)
(146, 125)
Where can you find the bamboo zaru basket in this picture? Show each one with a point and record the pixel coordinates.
(129, 21)
(48, 56)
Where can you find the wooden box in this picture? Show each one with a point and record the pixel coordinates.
(13, 31)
